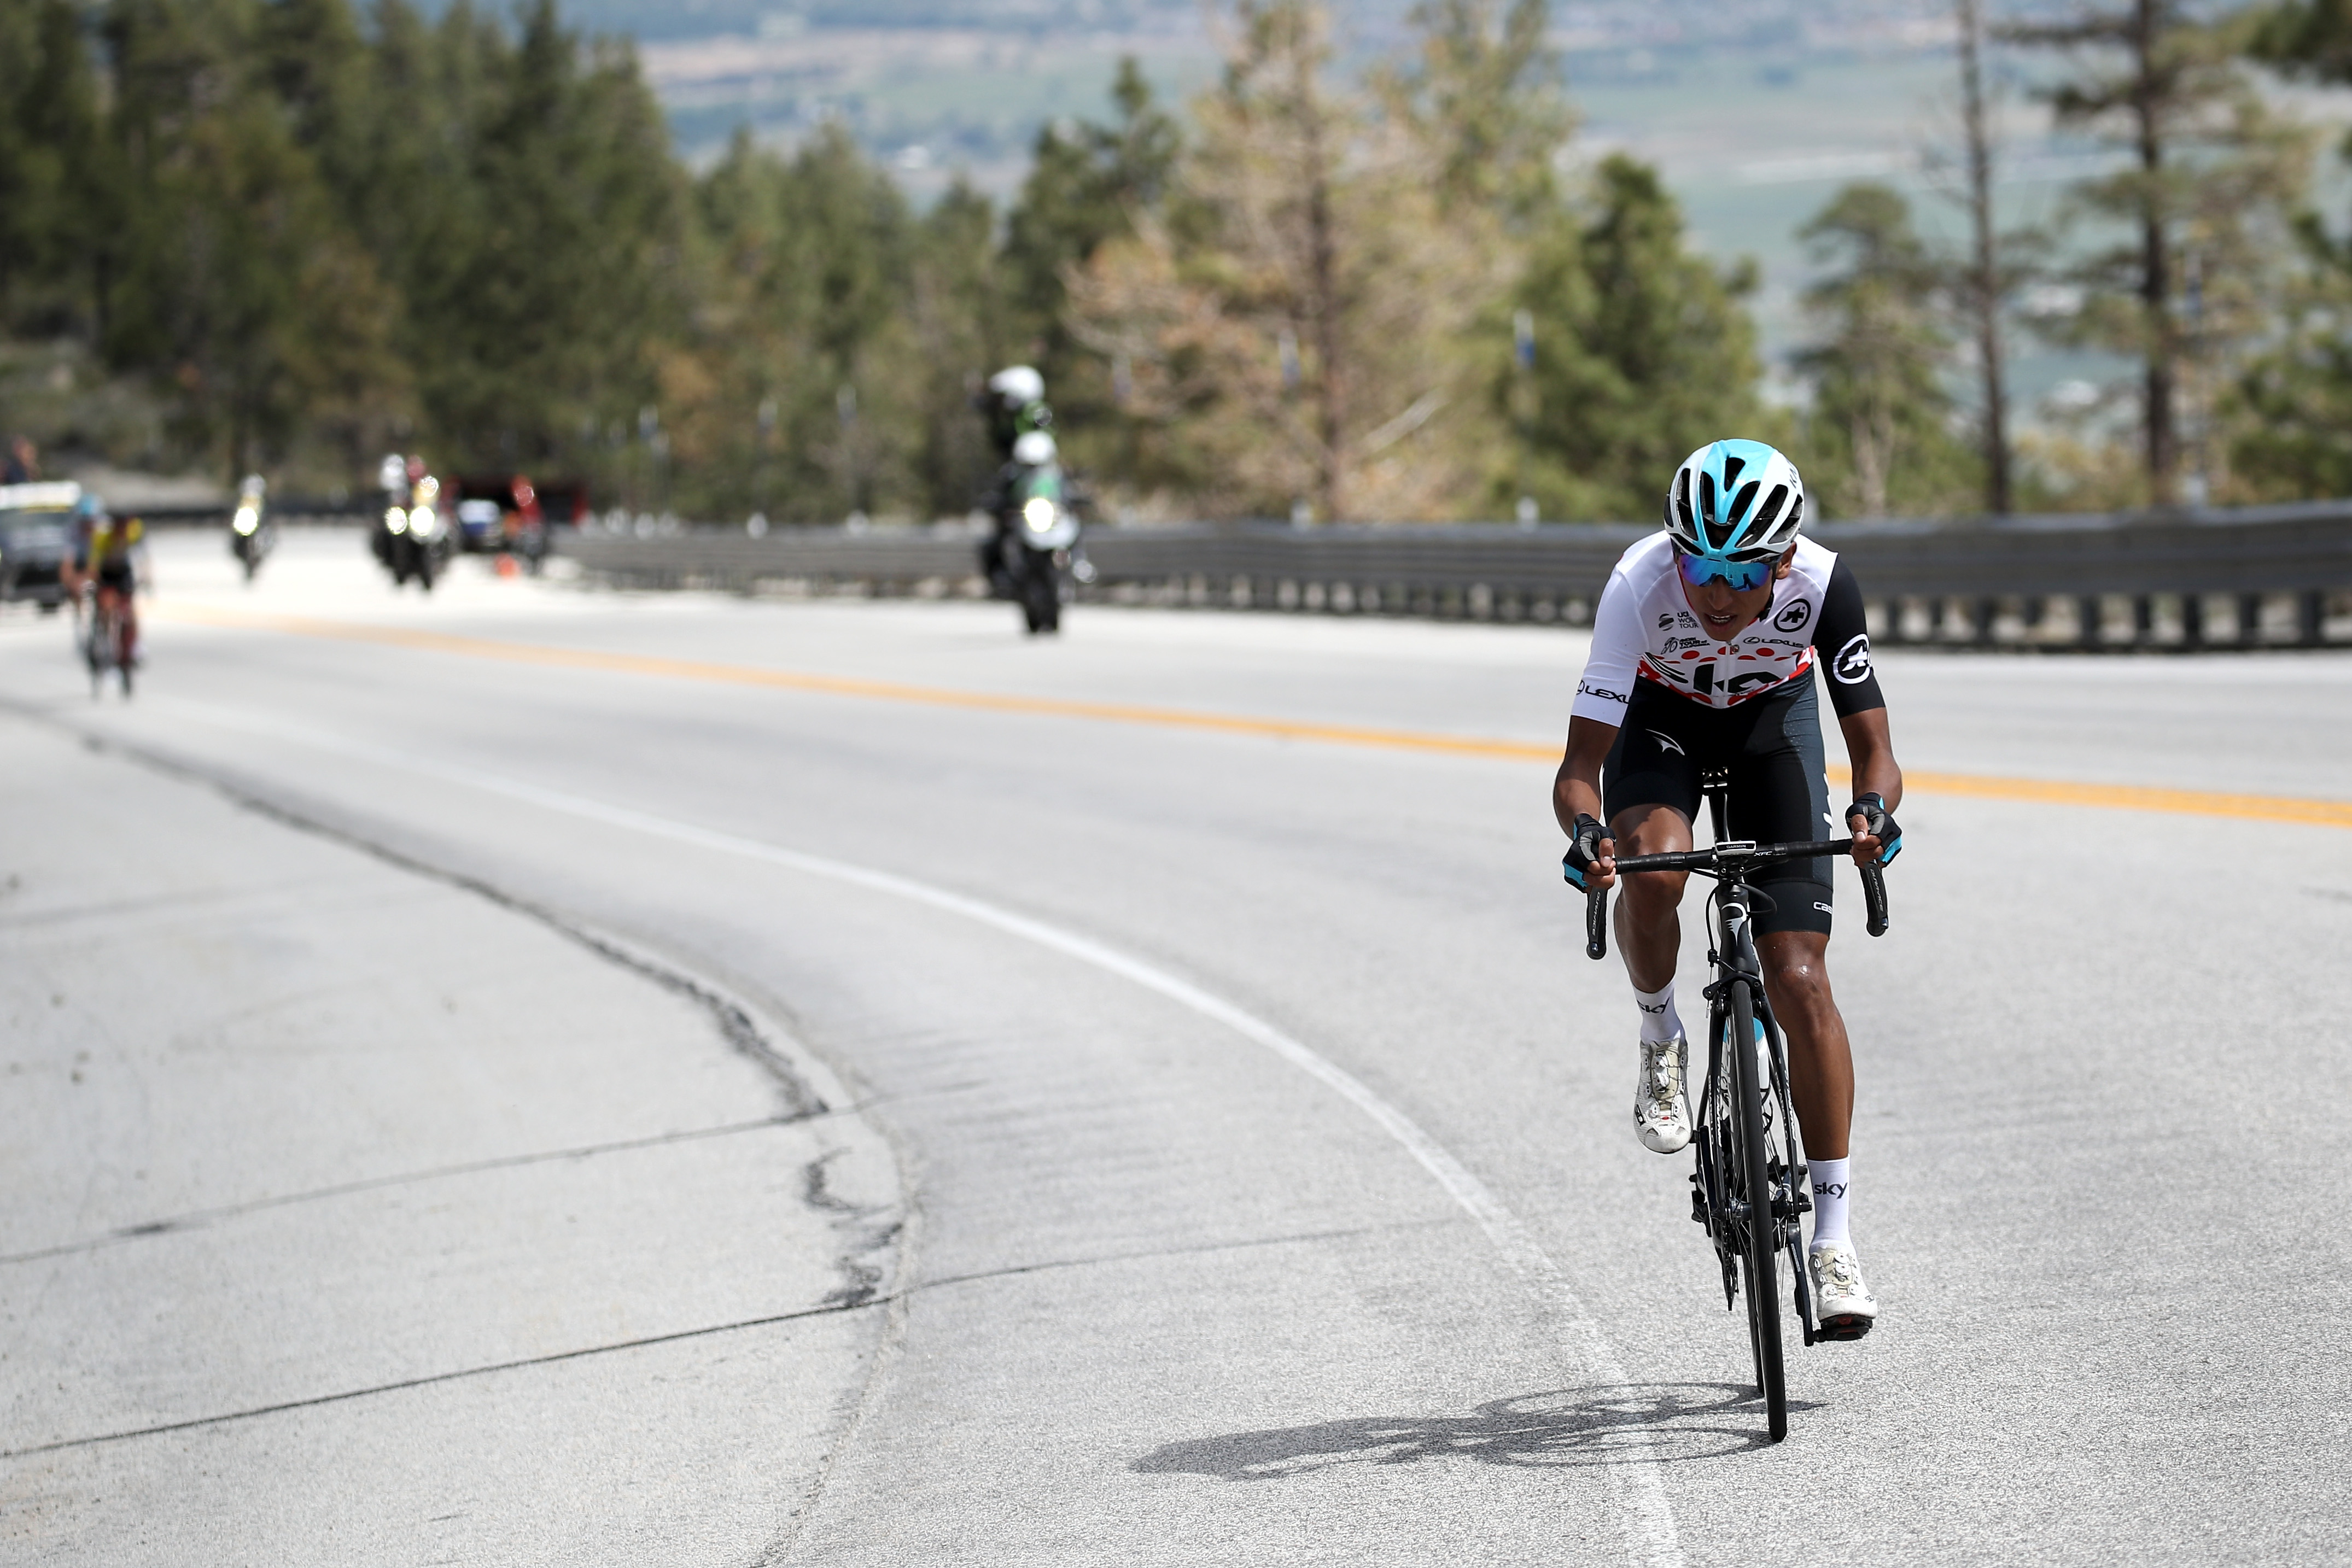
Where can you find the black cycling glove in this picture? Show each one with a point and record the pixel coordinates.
(1877, 821)
(1583, 849)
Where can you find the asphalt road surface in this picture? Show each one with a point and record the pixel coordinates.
(537, 1075)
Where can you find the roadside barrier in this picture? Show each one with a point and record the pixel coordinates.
(2271, 576)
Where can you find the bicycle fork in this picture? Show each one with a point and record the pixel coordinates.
(1714, 1182)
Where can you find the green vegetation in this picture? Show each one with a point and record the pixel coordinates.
(291, 234)
(1882, 422)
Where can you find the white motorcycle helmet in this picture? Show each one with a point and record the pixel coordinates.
(1018, 385)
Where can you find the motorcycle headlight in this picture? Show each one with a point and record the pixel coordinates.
(422, 522)
(1037, 514)
(395, 520)
(246, 521)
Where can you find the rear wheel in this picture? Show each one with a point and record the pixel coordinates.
(1758, 1240)
(94, 652)
(1040, 604)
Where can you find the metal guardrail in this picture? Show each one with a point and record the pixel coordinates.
(2268, 576)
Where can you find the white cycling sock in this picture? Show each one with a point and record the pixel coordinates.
(1659, 1019)
(1832, 1188)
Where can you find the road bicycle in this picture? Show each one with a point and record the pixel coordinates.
(105, 634)
(1746, 1136)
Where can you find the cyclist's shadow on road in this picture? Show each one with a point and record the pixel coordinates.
(1627, 1422)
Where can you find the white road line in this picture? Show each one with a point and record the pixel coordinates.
(1648, 1521)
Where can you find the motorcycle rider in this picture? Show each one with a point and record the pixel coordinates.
(102, 544)
(1014, 404)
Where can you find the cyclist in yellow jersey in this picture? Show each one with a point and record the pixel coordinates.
(103, 545)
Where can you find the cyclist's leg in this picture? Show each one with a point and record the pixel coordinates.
(1650, 793)
(126, 606)
(1821, 1059)
(1650, 789)
(1779, 794)
(1780, 787)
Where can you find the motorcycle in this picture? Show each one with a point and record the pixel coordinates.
(252, 534)
(1036, 556)
(411, 541)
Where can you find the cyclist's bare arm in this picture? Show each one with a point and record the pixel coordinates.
(1576, 790)
(1872, 754)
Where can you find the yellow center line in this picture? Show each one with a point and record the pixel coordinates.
(2046, 791)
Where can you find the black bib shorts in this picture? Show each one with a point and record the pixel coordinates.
(1779, 790)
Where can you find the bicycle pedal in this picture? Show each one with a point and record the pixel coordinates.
(1843, 1330)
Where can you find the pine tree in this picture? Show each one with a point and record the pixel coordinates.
(236, 280)
(2291, 409)
(1291, 321)
(1880, 427)
(1642, 349)
(2211, 172)
(53, 185)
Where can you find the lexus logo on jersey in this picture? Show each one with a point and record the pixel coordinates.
(1851, 665)
(1799, 612)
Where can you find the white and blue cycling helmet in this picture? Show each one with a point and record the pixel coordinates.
(1734, 509)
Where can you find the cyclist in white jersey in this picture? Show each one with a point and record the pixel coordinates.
(1704, 649)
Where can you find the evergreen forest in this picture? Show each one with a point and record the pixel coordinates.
(289, 235)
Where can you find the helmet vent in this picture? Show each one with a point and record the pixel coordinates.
(1740, 502)
(1771, 511)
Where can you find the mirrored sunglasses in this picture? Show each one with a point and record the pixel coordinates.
(1740, 574)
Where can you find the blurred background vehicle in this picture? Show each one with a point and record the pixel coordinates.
(499, 513)
(412, 538)
(33, 541)
(1038, 544)
(251, 533)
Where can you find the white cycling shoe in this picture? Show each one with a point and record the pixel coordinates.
(1662, 1112)
(1842, 1305)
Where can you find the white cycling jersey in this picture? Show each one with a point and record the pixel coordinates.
(1646, 630)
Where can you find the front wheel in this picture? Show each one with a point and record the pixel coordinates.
(1758, 1237)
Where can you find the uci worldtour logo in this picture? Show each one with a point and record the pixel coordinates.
(1851, 665)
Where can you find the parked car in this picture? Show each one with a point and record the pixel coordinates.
(506, 513)
(34, 541)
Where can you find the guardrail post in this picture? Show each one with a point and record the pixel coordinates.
(2311, 618)
(2250, 618)
(2192, 620)
(2142, 617)
(2090, 619)
(1980, 617)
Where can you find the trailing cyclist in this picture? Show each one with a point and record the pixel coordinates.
(1704, 649)
(103, 547)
